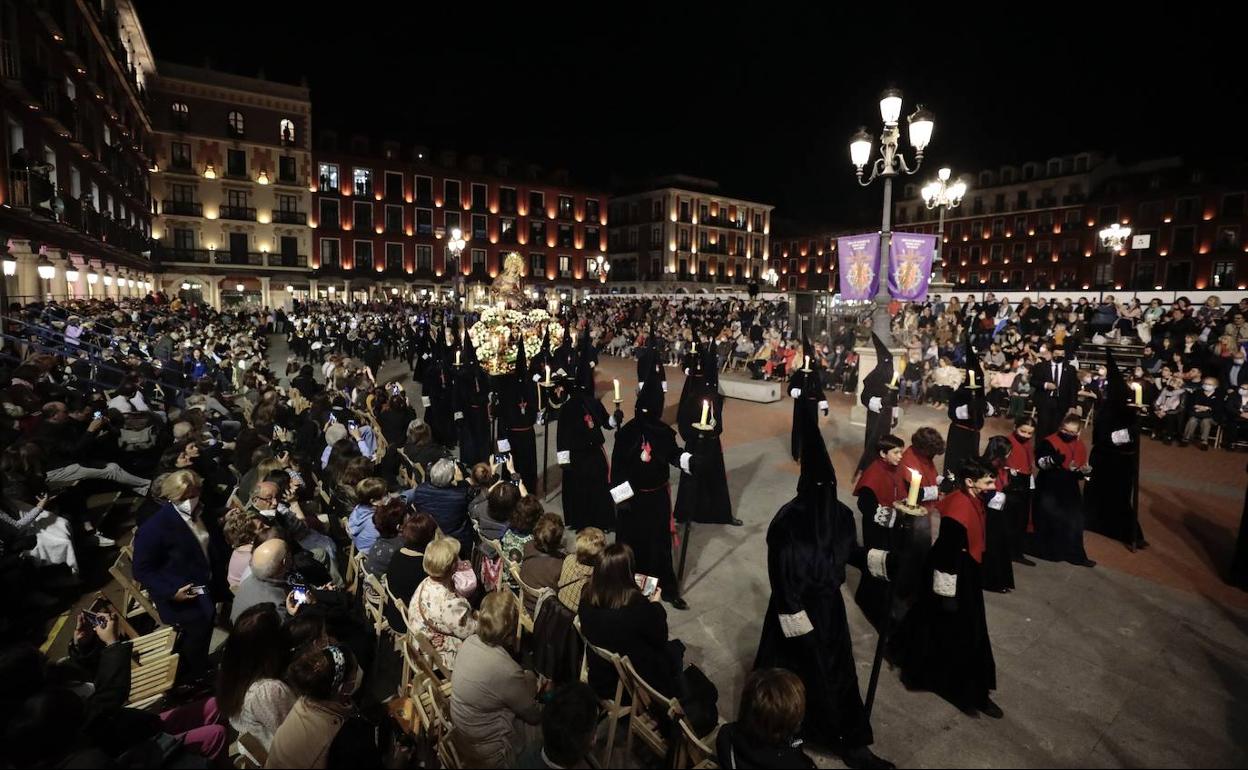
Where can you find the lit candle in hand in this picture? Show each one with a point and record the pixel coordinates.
(617, 390)
(916, 481)
(457, 358)
(1139, 393)
(806, 367)
(972, 376)
(547, 374)
(706, 407)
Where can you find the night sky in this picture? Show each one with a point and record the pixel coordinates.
(764, 105)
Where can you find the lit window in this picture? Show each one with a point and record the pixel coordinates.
(287, 131)
(235, 120)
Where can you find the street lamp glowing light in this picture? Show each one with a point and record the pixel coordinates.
(92, 277)
(921, 124)
(108, 280)
(956, 192)
(944, 173)
(10, 266)
(47, 271)
(860, 147)
(186, 286)
(1114, 236)
(71, 275)
(238, 287)
(890, 106)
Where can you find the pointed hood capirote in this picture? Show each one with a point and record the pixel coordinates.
(585, 362)
(522, 366)
(818, 477)
(470, 351)
(875, 384)
(974, 372)
(650, 399)
(1115, 411)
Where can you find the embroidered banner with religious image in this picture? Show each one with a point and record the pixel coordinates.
(910, 266)
(859, 259)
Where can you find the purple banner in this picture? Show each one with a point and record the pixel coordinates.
(859, 260)
(910, 266)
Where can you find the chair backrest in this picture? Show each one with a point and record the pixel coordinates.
(616, 661)
(429, 659)
(694, 752)
(648, 699)
(252, 753)
(374, 599)
(153, 667)
(136, 599)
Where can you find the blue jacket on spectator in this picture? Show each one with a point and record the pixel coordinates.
(449, 508)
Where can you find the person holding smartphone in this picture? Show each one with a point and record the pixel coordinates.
(171, 560)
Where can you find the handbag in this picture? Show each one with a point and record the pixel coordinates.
(465, 579)
(491, 572)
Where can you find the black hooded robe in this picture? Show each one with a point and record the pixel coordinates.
(809, 544)
(703, 496)
(645, 520)
(1057, 510)
(517, 414)
(1109, 495)
(586, 492)
(962, 441)
(472, 415)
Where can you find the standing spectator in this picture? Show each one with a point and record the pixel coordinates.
(171, 561)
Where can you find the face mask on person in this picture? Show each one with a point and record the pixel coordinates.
(187, 507)
(1208, 388)
(1239, 360)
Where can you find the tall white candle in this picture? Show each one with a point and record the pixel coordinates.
(617, 389)
(706, 407)
(916, 481)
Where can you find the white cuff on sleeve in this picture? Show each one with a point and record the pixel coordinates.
(991, 410)
(537, 377)
(611, 421)
(997, 502)
(1120, 437)
(823, 406)
(877, 563)
(685, 457)
(795, 625)
(885, 516)
(962, 413)
(795, 393)
(944, 584)
(664, 386)
(459, 415)
(564, 457)
(931, 493)
(875, 404)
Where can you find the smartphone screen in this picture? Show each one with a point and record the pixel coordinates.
(199, 590)
(647, 584)
(300, 594)
(98, 414)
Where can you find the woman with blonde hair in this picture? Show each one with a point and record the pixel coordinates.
(578, 567)
(436, 610)
(490, 693)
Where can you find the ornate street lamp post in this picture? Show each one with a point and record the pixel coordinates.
(941, 195)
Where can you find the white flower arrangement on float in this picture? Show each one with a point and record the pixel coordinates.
(493, 339)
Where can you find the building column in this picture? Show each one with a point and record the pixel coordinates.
(266, 295)
(28, 288)
(346, 291)
(59, 282)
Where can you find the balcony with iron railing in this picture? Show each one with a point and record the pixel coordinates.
(243, 213)
(290, 217)
(182, 208)
(728, 224)
(33, 193)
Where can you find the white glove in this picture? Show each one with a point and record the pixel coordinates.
(875, 404)
(1047, 463)
(991, 410)
(944, 584)
(795, 393)
(537, 377)
(686, 372)
(664, 386)
(611, 421)
(795, 625)
(823, 407)
(685, 457)
(997, 502)
(1033, 482)
(459, 415)
(563, 458)
(962, 413)
(1120, 437)
(931, 493)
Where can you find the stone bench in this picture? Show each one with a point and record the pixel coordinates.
(759, 391)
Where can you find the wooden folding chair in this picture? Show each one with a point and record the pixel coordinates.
(694, 752)
(527, 592)
(614, 708)
(373, 596)
(136, 601)
(247, 753)
(153, 667)
(648, 706)
(351, 575)
(442, 731)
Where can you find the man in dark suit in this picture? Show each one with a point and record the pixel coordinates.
(1235, 371)
(1056, 386)
(171, 561)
